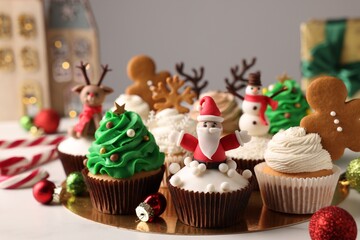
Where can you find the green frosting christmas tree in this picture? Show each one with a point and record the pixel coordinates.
(292, 105)
(123, 146)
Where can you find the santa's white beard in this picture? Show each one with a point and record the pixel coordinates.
(209, 139)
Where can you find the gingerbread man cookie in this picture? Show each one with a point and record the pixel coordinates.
(142, 69)
(336, 120)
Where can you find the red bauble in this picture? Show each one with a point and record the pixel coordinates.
(332, 223)
(152, 207)
(48, 120)
(43, 191)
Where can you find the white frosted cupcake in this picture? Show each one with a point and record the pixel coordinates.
(209, 198)
(136, 104)
(298, 175)
(160, 125)
(250, 154)
(72, 153)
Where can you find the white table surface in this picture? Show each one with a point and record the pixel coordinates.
(22, 217)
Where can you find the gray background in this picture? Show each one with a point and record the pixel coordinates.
(214, 34)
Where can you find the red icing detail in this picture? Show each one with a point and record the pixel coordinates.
(264, 101)
(208, 107)
(226, 143)
(86, 116)
(189, 142)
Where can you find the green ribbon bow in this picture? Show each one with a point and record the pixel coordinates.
(327, 56)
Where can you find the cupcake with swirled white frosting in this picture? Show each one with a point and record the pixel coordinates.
(160, 125)
(298, 175)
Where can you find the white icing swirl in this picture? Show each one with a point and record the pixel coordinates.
(253, 150)
(134, 103)
(294, 151)
(165, 121)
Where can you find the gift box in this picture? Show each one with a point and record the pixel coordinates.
(332, 48)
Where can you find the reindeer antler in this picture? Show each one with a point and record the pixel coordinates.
(172, 97)
(233, 87)
(195, 80)
(105, 70)
(82, 67)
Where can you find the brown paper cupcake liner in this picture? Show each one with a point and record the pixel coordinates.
(121, 196)
(71, 163)
(209, 210)
(243, 164)
(296, 195)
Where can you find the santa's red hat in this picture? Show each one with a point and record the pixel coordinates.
(208, 111)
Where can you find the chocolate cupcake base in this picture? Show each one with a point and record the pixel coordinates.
(209, 210)
(243, 164)
(71, 163)
(121, 196)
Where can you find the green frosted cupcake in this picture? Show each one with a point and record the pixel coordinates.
(124, 164)
(292, 106)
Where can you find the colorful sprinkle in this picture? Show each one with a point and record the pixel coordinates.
(109, 125)
(130, 133)
(102, 150)
(114, 157)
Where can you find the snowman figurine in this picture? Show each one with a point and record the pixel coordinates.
(254, 120)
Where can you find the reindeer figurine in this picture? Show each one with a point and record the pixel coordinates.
(92, 97)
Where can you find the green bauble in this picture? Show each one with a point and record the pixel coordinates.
(26, 122)
(353, 174)
(75, 184)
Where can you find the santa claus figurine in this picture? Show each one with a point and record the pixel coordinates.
(209, 148)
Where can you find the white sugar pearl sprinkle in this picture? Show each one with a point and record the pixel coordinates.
(130, 133)
(246, 173)
(339, 129)
(174, 168)
(333, 113)
(210, 188)
(187, 161)
(201, 167)
(194, 164)
(336, 121)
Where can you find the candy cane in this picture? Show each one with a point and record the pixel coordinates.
(23, 180)
(43, 140)
(15, 165)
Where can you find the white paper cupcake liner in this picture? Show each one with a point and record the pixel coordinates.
(296, 195)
